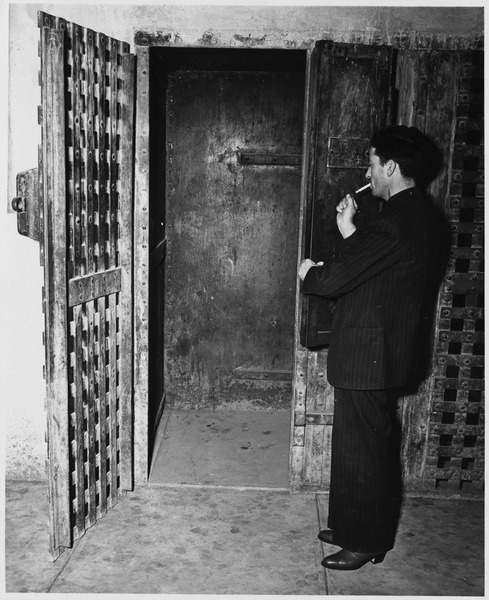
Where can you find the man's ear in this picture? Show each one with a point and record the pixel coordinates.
(391, 167)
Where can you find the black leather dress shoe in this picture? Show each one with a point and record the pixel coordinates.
(326, 535)
(346, 560)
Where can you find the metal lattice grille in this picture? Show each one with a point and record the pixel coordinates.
(93, 124)
(457, 419)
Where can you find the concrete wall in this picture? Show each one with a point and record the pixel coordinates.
(22, 352)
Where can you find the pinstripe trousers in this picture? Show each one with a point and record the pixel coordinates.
(363, 485)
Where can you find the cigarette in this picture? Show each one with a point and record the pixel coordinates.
(363, 188)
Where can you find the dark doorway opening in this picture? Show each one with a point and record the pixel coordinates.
(226, 130)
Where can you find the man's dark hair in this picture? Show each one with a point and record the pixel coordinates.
(416, 154)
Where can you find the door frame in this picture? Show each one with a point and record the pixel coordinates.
(141, 241)
(413, 93)
(141, 268)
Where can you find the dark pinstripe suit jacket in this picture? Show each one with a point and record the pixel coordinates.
(379, 281)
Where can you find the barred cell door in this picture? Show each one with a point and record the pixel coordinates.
(86, 189)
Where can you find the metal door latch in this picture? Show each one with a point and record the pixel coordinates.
(26, 204)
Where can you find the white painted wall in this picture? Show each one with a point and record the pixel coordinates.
(295, 26)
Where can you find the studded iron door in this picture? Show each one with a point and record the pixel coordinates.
(443, 447)
(85, 177)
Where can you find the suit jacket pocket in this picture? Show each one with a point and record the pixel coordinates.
(357, 358)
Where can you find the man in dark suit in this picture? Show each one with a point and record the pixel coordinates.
(379, 281)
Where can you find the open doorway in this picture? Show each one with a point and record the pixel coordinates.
(226, 129)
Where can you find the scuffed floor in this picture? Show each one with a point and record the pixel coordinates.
(217, 519)
(217, 447)
(162, 540)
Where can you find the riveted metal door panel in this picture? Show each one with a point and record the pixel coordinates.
(85, 170)
(233, 183)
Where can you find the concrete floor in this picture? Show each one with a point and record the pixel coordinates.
(180, 537)
(216, 447)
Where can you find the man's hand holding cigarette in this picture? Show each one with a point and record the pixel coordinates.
(346, 211)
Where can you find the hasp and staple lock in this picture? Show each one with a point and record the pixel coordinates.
(26, 204)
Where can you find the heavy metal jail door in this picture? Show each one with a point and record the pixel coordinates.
(233, 187)
(347, 98)
(85, 182)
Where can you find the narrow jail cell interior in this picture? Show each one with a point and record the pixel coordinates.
(226, 132)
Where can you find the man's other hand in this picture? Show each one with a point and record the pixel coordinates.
(306, 265)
